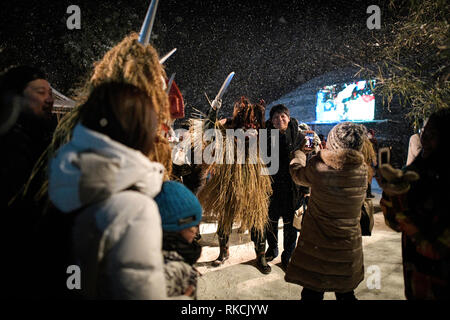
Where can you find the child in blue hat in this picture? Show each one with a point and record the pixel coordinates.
(181, 214)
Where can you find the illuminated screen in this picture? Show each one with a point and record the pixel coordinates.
(348, 102)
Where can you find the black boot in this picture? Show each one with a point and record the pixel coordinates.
(224, 252)
(347, 296)
(271, 254)
(261, 261)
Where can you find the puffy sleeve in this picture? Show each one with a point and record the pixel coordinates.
(135, 263)
(301, 173)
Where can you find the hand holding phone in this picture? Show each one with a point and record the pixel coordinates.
(393, 181)
(309, 140)
(384, 156)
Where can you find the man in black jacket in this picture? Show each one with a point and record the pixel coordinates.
(286, 195)
(25, 91)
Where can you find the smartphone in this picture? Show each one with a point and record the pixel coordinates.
(309, 136)
(384, 156)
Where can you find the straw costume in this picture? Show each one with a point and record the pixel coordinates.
(133, 61)
(136, 64)
(235, 192)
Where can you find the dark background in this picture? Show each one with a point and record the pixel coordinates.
(272, 46)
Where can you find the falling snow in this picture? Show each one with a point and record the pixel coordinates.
(274, 47)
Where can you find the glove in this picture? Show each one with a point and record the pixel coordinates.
(222, 121)
(299, 159)
(395, 181)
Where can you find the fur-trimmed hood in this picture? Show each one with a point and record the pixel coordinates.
(93, 167)
(338, 159)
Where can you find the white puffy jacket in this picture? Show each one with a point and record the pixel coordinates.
(117, 234)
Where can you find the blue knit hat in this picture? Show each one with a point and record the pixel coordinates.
(178, 206)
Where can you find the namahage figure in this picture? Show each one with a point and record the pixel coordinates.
(238, 193)
(132, 61)
(128, 62)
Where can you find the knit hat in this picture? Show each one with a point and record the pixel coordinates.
(178, 206)
(346, 135)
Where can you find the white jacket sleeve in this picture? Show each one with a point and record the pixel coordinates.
(135, 263)
(414, 148)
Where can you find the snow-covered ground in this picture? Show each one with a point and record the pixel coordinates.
(239, 279)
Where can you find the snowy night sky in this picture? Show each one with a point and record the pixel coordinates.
(273, 46)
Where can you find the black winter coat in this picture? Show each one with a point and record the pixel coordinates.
(21, 147)
(290, 141)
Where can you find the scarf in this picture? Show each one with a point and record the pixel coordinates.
(173, 241)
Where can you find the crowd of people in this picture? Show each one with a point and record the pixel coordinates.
(108, 201)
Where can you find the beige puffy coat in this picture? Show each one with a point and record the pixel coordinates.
(329, 255)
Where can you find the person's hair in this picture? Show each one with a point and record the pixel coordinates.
(124, 113)
(279, 108)
(439, 120)
(15, 80)
(246, 114)
(131, 62)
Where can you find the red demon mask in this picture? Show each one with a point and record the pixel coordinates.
(176, 102)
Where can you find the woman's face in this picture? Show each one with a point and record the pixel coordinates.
(38, 98)
(189, 233)
(429, 140)
(280, 121)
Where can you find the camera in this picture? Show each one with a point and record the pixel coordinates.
(384, 156)
(309, 137)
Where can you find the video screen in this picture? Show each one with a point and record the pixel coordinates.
(348, 102)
